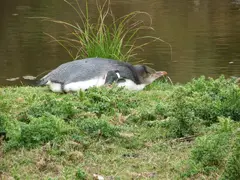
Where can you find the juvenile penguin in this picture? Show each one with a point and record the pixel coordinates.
(83, 74)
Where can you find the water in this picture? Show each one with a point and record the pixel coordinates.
(205, 36)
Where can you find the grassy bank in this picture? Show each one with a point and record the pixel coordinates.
(186, 131)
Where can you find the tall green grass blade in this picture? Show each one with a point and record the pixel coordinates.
(116, 40)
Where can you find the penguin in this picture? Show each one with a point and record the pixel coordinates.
(95, 72)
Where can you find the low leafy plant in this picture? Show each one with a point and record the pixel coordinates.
(38, 131)
(99, 102)
(232, 164)
(61, 107)
(181, 120)
(4, 106)
(142, 116)
(198, 104)
(214, 98)
(97, 128)
(2, 122)
(81, 175)
(216, 151)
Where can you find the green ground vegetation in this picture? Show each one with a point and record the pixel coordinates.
(166, 131)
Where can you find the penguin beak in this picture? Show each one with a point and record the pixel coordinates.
(159, 74)
(153, 76)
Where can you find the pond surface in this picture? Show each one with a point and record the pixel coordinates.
(204, 35)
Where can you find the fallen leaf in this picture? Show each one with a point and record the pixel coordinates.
(20, 100)
(98, 177)
(126, 135)
(41, 164)
(144, 175)
(29, 77)
(5, 176)
(12, 79)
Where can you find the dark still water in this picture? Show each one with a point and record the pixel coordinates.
(204, 34)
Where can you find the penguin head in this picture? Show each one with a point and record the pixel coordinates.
(147, 75)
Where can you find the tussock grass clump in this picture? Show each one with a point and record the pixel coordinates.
(108, 37)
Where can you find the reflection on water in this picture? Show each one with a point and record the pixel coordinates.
(205, 36)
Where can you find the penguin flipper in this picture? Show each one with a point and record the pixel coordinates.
(113, 76)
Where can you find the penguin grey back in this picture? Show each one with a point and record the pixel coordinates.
(85, 69)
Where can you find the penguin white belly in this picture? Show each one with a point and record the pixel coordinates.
(130, 85)
(76, 86)
(55, 87)
(97, 82)
(83, 85)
